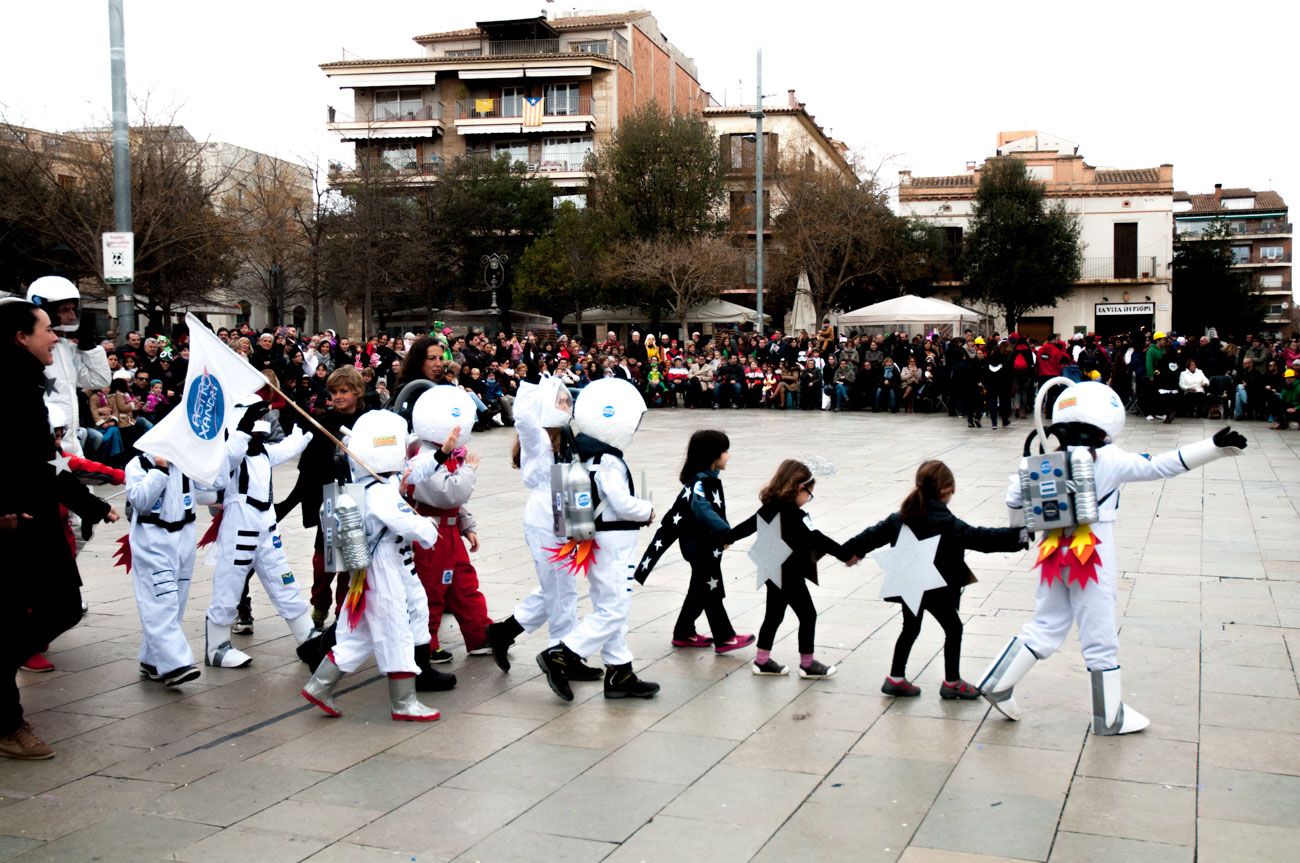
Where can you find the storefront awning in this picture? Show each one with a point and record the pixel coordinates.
(484, 74)
(559, 127)
(387, 79)
(557, 71)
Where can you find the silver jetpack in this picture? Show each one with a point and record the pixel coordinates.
(342, 524)
(1058, 487)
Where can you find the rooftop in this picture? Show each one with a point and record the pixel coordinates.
(1219, 202)
(561, 24)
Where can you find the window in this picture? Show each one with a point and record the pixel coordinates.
(579, 201)
(741, 150)
(512, 101)
(595, 46)
(562, 99)
(1241, 254)
(398, 104)
(1270, 253)
(1237, 203)
(742, 210)
(1276, 310)
(399, 158)
(565, 153)
(463, 52)
(1041, 173)
(1271, 281)
(517, 150)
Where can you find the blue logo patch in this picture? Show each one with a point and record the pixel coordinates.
(608, 411)
(446, 576)
(187, 501)
(583, 499)
(455, 411)
(1046, 466)
(287, 578)
(205, 407)
(277, 542)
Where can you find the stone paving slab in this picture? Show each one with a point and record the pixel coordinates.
(724, 765)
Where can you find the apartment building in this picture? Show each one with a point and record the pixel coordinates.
(1126, 216)
(1260, 235)
(544, 90)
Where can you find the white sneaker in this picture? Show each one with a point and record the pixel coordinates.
(1150, 417)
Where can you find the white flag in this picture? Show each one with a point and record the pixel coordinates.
(193, 435)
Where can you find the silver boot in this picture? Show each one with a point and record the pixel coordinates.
(1110, 715)
(218, 652)
(319, 689)
(405, 706)
(1000, 678)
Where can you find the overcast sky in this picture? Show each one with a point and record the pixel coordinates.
(920, 85)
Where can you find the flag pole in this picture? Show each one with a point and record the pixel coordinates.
(311, 419)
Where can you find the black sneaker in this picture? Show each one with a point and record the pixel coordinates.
(816, 670)
(149, 671)
(439, 657)
(243, 626)
(184, 674)
(554, 664)
(622, 682)
(500, 636)
(433, 680)
(582, 672)
(770, 667)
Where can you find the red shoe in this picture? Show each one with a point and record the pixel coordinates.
(736, 642)
(693, 641)
(38, 664)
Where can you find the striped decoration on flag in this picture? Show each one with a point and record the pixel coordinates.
(533, 110)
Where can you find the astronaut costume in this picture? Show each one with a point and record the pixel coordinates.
(449, 579)
(249, 538)
(1091, 416)
(162, 565)
(381, 624)
(607, 413)
(75, 365)
(538, 408)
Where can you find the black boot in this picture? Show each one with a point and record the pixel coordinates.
(555, 662)
(622, 682)
(431, 679)
(500, 636)
(582, 672)
(315, 649)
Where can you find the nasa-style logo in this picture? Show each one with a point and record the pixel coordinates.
(455, 411)
(583, 499)
(607, 412)
(1046, 466)
(187, 501)
(278, 543)
(205, 407)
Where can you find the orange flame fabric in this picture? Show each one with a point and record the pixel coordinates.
(1072, 558)
(578, 556)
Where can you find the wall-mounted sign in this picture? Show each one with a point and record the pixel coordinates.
(1107, 309)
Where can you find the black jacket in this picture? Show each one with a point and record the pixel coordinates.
(957, 537)
(807, 544)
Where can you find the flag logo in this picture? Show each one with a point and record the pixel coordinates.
(532, 115)
(205, 407)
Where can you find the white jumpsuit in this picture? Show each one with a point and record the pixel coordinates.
(610, 580)
(162, 559)
(249, 537)
(384, 627)
(555, 599)
(1092, 607)
(73, 369)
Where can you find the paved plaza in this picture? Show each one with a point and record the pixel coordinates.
(723, 765)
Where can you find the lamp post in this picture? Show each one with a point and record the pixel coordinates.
(277, 287)
(758, 115)
(494, 274)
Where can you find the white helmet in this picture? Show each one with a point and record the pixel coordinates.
(378, 438)
(1092, 403)
(556, 407)
(52, 290)
(439, 410)
(609, 410)
(58, 419)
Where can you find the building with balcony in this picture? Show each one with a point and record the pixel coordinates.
(1126, 219)
(544, 91)
(1260, 237)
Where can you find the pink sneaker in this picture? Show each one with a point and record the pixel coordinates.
(40, 665)
(736, 642)
(693, 641)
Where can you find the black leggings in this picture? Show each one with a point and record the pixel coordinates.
(795, 595)
(943, 606)
(705, 594)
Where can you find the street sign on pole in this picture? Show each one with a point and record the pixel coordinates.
(119, 257)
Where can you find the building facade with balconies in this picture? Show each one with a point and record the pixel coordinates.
(544, 91)
(1260, 236)
(1126, 220)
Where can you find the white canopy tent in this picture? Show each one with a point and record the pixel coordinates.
(910, 311)
(803, 316)
(712, 312)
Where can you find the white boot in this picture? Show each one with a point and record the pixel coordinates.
(301, 627)
(1110, 715)
(217, 649)
(319, 690)
(1000, 678)
(405, 706)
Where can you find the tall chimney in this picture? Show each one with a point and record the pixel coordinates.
(1218, 191)
(794, 103)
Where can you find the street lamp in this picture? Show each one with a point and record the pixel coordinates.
(277, 287)
(494, 273)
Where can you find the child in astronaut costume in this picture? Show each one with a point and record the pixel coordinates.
(1090, 416)
(449, 579)
(249, 538)
(381, 624)
(541, 410)
(162, 564)
(607, 414)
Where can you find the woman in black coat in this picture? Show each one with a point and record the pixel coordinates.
(43, 590)
(925, 512)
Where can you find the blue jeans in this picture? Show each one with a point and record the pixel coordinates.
(1239, 402)
(722, 391)
(893, 397)
(841, 396)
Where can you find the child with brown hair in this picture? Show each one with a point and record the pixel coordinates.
(925, 512)
(783, 500)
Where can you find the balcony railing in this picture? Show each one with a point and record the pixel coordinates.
(512, 107)
(1240, 229)
(1256, 259)
(556, 164)
(616, 49)
(430, 111)
(1109, 269)
(515, 47)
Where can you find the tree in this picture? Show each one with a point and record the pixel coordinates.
(676, 273)
(364, 253)
(561, 271)
(659, 174)
(1020, 253)
(838, 228)
(1209, 292)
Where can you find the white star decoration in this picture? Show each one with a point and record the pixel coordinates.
(677, 517)
(717, 552)
(60, 464)
(717, 499)
(713, 584)
(659, 543)
(769, 550)
(909, 568)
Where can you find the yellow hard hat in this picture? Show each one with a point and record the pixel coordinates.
(1158, 336)
(1290, 373)
(979, 340)
(1094, 375)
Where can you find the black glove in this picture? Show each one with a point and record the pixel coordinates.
(255, 412)
(1226, 438)
(87, 529)
(85, 335)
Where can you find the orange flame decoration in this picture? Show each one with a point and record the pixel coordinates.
(123, 553)
(1076, 554)
(580, 554)
(355, 602)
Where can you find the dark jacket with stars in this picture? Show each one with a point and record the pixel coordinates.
(956, 536)
(697, 521)
(807, 543)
